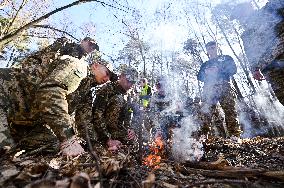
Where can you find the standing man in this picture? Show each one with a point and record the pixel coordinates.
(216, 74)
(146, 92)
(111, 112)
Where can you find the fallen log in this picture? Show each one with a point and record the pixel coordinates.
(209, 170)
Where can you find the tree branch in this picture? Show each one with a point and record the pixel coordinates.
(38, 36)
(15, 33)
(14, 18)
(55, 29)
(94, 156)
(225, 181)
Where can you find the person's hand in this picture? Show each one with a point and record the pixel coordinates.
(114, 145)
(131, 134)
(258, 75)
(71, 147)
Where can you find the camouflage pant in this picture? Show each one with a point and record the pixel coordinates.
(225, 95)
(11, 101)
(14, 129)
(276, 79)
(38, 137)
(50, 110)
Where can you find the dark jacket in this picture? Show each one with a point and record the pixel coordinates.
(224, 65)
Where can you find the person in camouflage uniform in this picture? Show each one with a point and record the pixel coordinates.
(49, 110)
(216, 74)
(263, 41)
(111, 113)
(8, 103)
(80, 102)
(35, 68)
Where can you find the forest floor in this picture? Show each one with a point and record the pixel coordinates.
(256, 162)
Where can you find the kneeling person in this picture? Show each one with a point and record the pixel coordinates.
(110, 111)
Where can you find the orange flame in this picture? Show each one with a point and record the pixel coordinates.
(153, 160)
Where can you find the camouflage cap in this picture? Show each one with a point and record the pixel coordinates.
(90, 39)
(108, 65)
(130, 73)
(94, 43)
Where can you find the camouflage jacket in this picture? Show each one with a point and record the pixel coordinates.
(110, 112)
(46, 78)
(224, 67)
(50, 105)
(80, 103)
(36, 66)
(83, 95)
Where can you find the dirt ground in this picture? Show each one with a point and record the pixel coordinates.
(256, 162)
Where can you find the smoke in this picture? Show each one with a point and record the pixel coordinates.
(272, 110)
(264, 117)
(184, 147)
(259, 26)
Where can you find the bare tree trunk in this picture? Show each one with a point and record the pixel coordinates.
(152, 72)
(242, 50)
(143, 57)
(161, 64)
(239, 93)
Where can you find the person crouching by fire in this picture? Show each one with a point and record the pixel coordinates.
(111, 116)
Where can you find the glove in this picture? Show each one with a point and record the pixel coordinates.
(71, 147)
(113, 145)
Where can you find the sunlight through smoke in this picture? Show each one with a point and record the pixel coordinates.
(184, 147)
(166, 36)
(268, 109)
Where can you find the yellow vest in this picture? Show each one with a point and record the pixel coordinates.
(145, 102)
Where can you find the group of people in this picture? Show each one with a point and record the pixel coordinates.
(39, 98)
(216, 74)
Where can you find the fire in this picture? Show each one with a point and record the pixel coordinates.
(154, 159)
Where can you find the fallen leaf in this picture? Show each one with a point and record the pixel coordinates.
(10, 172)
(167, 185)
(148, 183)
